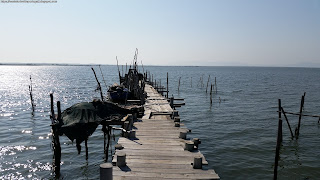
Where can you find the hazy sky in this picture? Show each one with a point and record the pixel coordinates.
(166, 32)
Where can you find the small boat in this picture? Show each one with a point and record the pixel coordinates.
(118, 93)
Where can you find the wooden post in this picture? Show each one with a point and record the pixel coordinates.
(167, 85)
(197, 162)
(215, 84)
(99, 86)
(207, 84)
(211, 94)
(279, 140)
(30, 92)
(284, 113)
(51, 107)
(300, 115)
(121, 159)
(171, 101)
(109, 137)
(86, 145)
(104, 130)
(191, 81)
(56, 141)
(179, 84)
(118, 70)
(202, 85)
(106, 171)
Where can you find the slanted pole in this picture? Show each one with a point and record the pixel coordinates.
(300, 115)
(99, 86)
(284, 113)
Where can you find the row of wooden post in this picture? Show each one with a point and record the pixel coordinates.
(280, 135)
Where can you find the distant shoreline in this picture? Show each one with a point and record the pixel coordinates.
(61, 64)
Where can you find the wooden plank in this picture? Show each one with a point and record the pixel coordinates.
(158, 152)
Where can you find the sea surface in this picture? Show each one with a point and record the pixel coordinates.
(238, 130)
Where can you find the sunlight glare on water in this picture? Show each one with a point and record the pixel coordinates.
(238, 131)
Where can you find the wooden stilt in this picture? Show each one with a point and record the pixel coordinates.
(179, 84)
(104, 142)
(207, 84)
(215, 84)
(279, 140)
(300, 115)
(211, 94)
(107, 151)
(86, 145)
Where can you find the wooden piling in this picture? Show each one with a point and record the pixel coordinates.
(179, 84)
(300, 115)
(279, 140)
(215, 84)
(31, 97)
(55, 139)
(86, 145)
(211, 94)
(191, 81)
(207, 84)
(51, 107)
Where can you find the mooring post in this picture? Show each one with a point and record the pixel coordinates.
(300, 116)
(106, 171)
(197, 162)
(279, 140)
(191, 81)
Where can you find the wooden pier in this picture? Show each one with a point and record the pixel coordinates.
(156, 151)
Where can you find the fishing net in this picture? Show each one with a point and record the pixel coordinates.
(81, 120)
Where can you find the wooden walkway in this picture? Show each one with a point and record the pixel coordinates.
(157, 152)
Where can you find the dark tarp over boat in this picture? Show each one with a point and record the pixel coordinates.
(81, 120)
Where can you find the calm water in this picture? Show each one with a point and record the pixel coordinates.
(238, 135)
